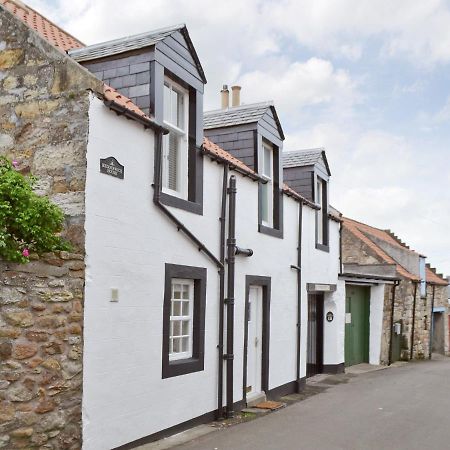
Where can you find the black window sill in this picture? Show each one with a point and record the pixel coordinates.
(182, 367)
(186, 205)
(324, 248)
(270, 231)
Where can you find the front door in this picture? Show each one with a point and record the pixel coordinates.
(356, 325)
(254, 349)
(314, 362)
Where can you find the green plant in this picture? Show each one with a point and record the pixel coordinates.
(28, 223)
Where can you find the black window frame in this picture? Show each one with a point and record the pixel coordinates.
(276, 230)
(322, 214)
(194, 201)
(196, 362)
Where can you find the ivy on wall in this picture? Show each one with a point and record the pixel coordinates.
(29, 223)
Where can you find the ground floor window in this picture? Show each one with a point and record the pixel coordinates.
(183, 320)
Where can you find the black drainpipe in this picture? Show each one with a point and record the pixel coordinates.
(231, 246)
(411, 354)
(392, 321)
(298, 267)
(157, 200)
(430, 344)
(222, 291)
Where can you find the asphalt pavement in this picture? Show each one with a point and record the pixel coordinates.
(405, 407)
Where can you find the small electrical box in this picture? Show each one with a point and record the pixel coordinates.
(114, 295)
(398, 328)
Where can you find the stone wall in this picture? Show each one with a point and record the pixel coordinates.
(355, 251)
(44, 100)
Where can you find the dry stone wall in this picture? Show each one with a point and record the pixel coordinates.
(44, 100)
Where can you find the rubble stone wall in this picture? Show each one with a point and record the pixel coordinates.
(44, 101)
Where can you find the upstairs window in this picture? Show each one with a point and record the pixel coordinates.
(321, 199)
(267, 188)
(270, 210)
(175, 144)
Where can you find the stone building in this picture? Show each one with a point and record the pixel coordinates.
(401, 299)
(192, 274)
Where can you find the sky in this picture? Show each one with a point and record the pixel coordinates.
(368, 81)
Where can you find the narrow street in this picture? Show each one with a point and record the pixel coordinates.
(405, 407)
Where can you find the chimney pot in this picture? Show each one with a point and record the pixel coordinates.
(235, 95)
(225, 97)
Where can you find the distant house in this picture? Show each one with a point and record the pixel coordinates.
(396, 305)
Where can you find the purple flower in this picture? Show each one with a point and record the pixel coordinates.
(25, 252)
(15, 164)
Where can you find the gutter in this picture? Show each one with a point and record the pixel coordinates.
(298, 268)
(247, 173)
(147, 122)
(430, 343)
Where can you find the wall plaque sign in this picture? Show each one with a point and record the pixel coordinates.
(330, 316)
(110, 166)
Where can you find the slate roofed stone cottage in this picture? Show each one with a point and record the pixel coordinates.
(395, 303)
(199, 280)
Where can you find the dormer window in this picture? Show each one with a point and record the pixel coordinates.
(321, 199)
(267, 192)
(175, 146)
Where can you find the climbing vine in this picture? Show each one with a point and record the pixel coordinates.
(29, 223)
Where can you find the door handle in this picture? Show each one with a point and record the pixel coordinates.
(256, 342)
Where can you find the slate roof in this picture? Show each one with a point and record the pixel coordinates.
(239, 115)
(128, 43)
(303, 158)
(363, 232)
(44, 27)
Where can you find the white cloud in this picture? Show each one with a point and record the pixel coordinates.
(295, 85)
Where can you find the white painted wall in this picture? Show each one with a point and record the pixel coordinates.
(376, 322)
(128, 241)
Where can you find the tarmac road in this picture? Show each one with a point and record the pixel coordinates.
(405, 407)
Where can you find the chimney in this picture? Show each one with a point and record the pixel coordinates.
(225, 96)
(235, 95)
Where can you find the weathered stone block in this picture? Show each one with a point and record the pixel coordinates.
(10, 58)
(18, 393)
(25, 351)
(19, 318)
(7, 411)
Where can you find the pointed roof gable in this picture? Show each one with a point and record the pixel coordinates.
(239, 115)
(303, 158)
(135, 42)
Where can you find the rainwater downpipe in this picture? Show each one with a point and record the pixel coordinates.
(298, 267)
(220, 412)
(231, 257)
(430, 343)
(392, 321)
(411, 354)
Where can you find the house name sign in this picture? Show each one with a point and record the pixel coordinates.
(110, 166)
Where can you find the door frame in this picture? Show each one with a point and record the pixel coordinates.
(320, 300)
(265, 283)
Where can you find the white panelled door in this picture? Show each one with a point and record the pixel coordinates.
(254, 351)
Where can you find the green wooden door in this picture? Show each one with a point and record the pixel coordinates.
(357, 307)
